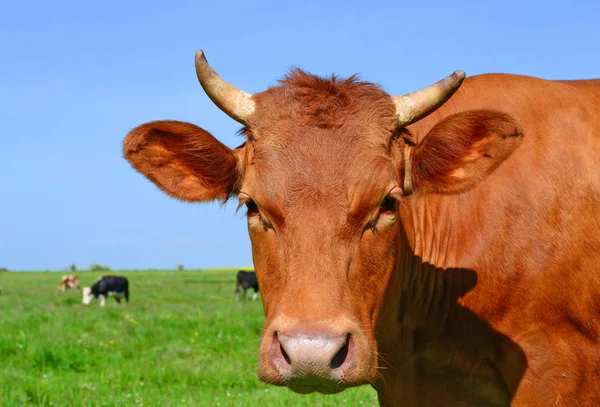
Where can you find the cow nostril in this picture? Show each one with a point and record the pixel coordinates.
(276, 342)
(340, 357)
(285, 355)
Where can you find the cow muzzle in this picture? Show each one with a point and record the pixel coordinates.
(308, 357)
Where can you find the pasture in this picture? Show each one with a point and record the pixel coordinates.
(181, 341)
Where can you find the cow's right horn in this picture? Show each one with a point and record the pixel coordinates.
(231, 100)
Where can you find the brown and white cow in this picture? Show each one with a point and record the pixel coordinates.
(443, 247)
(69, 281)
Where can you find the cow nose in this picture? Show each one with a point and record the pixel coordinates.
(312, 362)
(319, 354)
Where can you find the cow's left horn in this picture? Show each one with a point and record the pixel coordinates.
(416, 105)
(231, 100)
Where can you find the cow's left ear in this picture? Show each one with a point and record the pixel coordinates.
(460, 151)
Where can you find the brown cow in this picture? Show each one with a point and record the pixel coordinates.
(69, 281)
(447, 257)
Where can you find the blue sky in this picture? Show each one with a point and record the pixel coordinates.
(76, 76)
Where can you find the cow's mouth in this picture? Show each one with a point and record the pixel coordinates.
(308, 385)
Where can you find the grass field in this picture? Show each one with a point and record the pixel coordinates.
(181, 341)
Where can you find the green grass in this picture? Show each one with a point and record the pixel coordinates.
(181, 341)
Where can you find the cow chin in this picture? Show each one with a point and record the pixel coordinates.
(323, 356)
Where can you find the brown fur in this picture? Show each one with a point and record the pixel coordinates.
(481, 288)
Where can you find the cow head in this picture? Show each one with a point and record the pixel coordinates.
(87, 295)
(322, 174)
(71, 281)
(63, 283)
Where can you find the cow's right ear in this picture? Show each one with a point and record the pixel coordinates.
(183, 160)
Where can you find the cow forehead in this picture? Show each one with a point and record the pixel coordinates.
(302, 102)
(319, 140)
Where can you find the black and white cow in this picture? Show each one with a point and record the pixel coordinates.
(246, 280)
(107, 286)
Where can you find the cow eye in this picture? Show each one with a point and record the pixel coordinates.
(252, 208)
(388, 205)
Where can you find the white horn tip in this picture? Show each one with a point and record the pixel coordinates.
(200, 55)
(461, 74)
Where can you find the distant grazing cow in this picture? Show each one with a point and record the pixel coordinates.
(245, 280)
(0, 290)
(442, 245)
(67, 282)
(107, 286)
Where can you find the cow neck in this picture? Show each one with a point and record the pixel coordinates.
(430, 229)
(429, 279)
(425, 286)
(431, 275)
(426, 330)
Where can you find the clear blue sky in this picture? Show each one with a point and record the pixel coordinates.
(76, 76)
